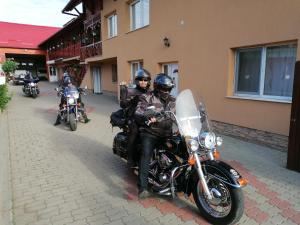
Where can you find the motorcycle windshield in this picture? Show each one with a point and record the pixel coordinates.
(187, 114)
(71, 92)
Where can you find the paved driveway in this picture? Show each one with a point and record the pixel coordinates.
(63, 177)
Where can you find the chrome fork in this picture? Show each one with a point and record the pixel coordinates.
(201, 177)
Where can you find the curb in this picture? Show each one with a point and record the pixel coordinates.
(5, 181)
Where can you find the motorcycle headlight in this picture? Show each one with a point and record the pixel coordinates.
(76, 96)
(32, 84)
(219, 141)
(208, 140)
(193, 145)
(71, 100)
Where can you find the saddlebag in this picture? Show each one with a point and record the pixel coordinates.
(120, 144)
(117, 118)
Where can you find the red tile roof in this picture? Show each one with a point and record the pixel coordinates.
(15, 35)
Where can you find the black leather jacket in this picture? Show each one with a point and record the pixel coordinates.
(163, 126)
(129, 98)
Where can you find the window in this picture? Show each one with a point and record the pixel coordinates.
(135, 66)
(139, 14)
(265, 72)
(114, 73)
(112, 26)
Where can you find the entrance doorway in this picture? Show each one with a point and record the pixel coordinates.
(53, 74)
(96, 80)
(171, 69)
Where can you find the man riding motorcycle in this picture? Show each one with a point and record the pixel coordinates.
(64, 83)
(29, 78)
(128, 101)
(153, 130)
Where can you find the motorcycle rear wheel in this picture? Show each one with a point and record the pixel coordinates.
(73, 122)
(225, 209)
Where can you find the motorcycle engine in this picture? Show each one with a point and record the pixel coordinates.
(164, 162)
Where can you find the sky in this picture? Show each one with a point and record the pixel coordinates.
(35, 12)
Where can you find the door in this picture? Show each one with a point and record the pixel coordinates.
(97, 80)
(172, 70)
(293, 160)
(53, 74)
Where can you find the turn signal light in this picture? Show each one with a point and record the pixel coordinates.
(217, 154)
(242, 181)
(192, 160)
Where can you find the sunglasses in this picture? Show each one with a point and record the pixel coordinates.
(143, 79)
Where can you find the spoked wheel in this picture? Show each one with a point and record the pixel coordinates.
(73, 122)
(226, 206)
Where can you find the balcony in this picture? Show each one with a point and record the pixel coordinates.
(67, 52)
(91, 50)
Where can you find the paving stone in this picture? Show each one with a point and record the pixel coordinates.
(74, 178)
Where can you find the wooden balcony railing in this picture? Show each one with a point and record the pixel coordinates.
(91, 50)
(67, 52)
(77, 50)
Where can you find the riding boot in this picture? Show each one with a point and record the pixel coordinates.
(57, 122)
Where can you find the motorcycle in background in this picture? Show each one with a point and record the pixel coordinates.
(189, 162)
(71, 109)
(30, 87)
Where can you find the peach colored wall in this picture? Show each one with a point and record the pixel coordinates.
(202, 35)
(106, 78)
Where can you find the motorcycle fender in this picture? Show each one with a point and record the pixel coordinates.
(219, 170)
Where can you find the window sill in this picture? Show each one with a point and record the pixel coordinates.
(109, 38)
(138, 29)
(261, 99)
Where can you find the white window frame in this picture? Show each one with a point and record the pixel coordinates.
(144, 17)
(139, 66)
(260, 95)
(112, 22)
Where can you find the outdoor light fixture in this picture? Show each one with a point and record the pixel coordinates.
(166, 42)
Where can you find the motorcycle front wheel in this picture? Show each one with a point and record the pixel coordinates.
(73, 122)
(227, 205)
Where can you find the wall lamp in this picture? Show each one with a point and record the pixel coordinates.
(166, 42)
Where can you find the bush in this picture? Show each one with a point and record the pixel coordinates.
(4, 97)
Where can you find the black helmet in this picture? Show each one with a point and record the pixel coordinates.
(163, 85)
(142, 74)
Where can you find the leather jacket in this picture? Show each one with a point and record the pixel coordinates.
(129, 98)
(163, 126)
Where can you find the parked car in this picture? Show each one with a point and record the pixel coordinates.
(18, 77)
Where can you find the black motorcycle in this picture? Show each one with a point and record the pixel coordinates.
(71, 108)
(31, 88)
(188, 162)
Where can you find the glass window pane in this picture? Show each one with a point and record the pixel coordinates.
(279, 76)
(248, 77)
(136, 15)
(145, 12)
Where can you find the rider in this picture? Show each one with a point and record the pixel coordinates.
(29, 78)
(64, 83)
(128, 101)
(157, 129)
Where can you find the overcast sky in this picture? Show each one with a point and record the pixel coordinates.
(35, 12)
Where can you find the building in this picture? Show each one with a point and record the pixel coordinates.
(237, 56)
(20, 42)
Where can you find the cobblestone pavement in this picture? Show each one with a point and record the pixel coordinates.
(62, 177)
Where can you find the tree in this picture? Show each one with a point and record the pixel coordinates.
(9, 66)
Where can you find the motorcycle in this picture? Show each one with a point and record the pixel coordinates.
(31, 88)
(189, 162)
(71, 109)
